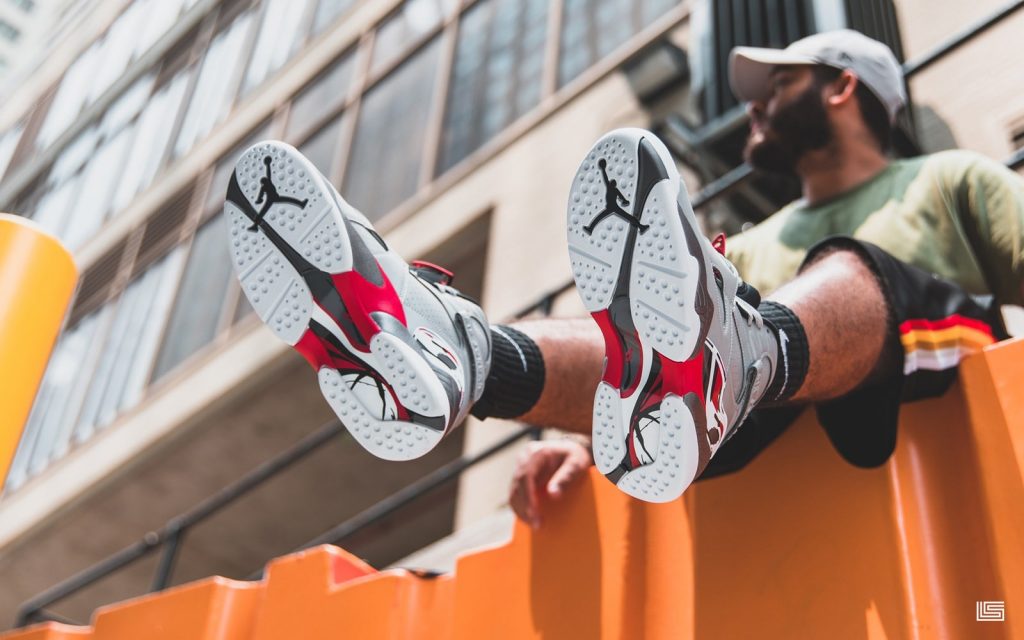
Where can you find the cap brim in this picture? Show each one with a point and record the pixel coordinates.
(750, 70)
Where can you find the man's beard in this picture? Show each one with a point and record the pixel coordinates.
(798, 127)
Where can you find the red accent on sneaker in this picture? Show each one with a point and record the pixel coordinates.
(615, 351)
(447, 276)
(719, 243)
(681, 378)
(316, 353)
(313, 350)
(362, 297)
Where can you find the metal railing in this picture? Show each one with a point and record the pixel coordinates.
(172, 534)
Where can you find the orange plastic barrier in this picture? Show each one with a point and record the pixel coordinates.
(798, 545)
(37, 280)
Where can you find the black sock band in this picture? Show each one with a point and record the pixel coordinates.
(517, 375)
(794, 354)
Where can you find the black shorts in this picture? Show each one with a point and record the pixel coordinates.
(932, 325)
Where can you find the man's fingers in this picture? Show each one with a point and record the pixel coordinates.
(545, 467)
(524, 499)
(565, 475)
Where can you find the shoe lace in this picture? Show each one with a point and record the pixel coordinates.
(749, 313)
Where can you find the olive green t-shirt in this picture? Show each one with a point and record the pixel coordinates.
(956, 214)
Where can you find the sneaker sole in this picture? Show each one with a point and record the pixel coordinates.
(641, 281)
(315, 285)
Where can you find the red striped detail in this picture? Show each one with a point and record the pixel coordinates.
(316, 353)
(950, 321)
(681, 378)
(615, 351)
(362, 297)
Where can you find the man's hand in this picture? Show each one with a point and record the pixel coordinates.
(549, 466)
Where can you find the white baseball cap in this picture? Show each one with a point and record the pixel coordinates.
(871, 61)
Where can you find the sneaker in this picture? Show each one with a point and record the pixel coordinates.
(399, 354)
(687, 356)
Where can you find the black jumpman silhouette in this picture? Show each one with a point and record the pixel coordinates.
(269, 192)
(612, 197)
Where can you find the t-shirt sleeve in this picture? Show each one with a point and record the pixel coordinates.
(991, 207)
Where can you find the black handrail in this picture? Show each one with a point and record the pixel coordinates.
(170, 536)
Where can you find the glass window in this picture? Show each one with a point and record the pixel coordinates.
(153, 133)
(387, 152)
(212, 97)
(99, 179)
(8, 31)
(327, 11)
(496, 74)
(322, 147)
(321, 97)
(69, 99)
(127, 106)
(591, 29)
(117, 49)
(128, 353)
(200, 298)
(8, 143)
(56, 205)
(74, 155)
(404, 29)
(242, 309)
(278, 39)
(222, 173)
(44, 437)
(160, 17)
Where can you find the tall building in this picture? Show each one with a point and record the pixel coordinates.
(27, 28)
(456, 126)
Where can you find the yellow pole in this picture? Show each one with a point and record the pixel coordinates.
(37, 280)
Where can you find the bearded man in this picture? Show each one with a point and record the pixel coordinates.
(824, 109)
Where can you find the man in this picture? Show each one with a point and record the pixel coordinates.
(690, 348)
(955, 214)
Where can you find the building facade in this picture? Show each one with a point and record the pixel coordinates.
(455, 125)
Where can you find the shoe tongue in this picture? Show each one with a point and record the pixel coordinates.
(748, 294)
(431, 272)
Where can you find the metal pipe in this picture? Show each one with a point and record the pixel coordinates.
(170, 554)
(172, 531)
(260, 474)
(88, 576)
(723, 185)
(404, 496)
(916, 66)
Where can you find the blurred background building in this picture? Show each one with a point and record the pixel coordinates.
(455, 125)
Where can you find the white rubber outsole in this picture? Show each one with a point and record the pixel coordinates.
(282, 299)
(662, 289)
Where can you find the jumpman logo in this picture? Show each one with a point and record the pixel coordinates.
(612, 198)
(269, 196)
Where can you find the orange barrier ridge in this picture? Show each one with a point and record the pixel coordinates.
(798, 545)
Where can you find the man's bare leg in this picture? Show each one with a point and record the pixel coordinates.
(840, 304)
(837, 299)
